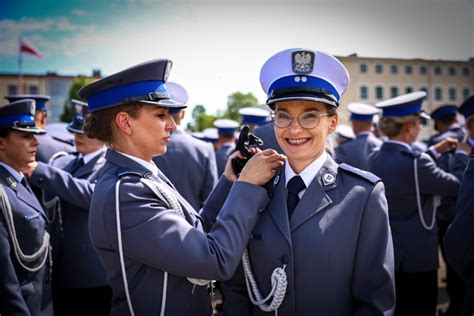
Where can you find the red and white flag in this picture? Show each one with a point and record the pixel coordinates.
(29, 48)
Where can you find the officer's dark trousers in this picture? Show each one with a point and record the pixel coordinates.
(87, 301)
(417, 293)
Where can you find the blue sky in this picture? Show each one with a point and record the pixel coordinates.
(219, 46)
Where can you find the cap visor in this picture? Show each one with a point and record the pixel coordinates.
(34, 130)
(167, 103)
(74, 130)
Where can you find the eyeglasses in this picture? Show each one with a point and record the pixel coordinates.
(307, 120)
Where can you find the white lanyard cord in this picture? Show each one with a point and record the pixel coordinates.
(43, 250)
(279, 285)
(167, 196)
(418, 200)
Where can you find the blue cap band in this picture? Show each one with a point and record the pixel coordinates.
(9, 121)
(226, 131)
(312, 82)
(40, 105)
(361, 117)
(253, 119)
(403, 111)
(441, 112)
(116, 95)
(174, 110)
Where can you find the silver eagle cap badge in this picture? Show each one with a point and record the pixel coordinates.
(302, 62)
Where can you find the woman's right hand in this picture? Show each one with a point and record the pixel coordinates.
(262, 167)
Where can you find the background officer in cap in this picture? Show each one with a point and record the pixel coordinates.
(356, 153)
(411, 179)
(68, 184)
(447, 126)
(344, 134)
(309, 249)
(24, 240)
(459, 239)
(467, 109)
(253, 117)
(196, 175)
(48, 144)
(152, 243)
(211, 136)
(226, 129)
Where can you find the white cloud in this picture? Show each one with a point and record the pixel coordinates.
(79, 12)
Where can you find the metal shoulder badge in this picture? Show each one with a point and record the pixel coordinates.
(12, 182)
(302, 61)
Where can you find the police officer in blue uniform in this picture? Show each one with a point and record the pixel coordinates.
(24, 240)
(459, 239)
(152, 243)
(446, 124)
(197, 173)
(211, 136)
(411, 179)
(48, 144)
(467, 110)
(68, 184)
(308, 252)
(253, 117)
(356, 153)
(226, 129)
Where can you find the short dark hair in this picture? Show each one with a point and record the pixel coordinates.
(4, 132)
(100, 124)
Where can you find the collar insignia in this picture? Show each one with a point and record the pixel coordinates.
(328, 178)
(12, 182)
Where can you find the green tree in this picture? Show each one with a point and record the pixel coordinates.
(77, 84)
(236, 101)
(201, 120)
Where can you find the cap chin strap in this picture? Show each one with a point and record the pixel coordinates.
(165, 195)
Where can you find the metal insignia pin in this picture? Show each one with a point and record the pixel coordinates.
(276, 180)
(302, 61)
(328, 178)
(12, 182)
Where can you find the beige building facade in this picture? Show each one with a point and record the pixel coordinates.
(51, 84)
(377, 79)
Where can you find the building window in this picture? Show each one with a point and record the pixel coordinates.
(408, 69)
(364, 92)
(423, 70)
(408, 89)
(363, 68)
(438, 71)
(394, 92)
(452, 71)
(33, 89)
(452, 94)
(466, 93)
(438, 94)
(378, 69)
(12, 89)
(393, 69)
(425, 89)
(466, 72)
(379, 92)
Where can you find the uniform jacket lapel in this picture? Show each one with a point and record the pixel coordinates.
(316, 198)
(90, 167)
(21, 192)
(277, 206)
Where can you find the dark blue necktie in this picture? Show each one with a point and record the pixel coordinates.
(78, 164)
(295, 185)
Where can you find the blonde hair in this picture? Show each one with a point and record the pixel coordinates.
(391, 126)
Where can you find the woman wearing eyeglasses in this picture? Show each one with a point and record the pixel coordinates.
(323, 246)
